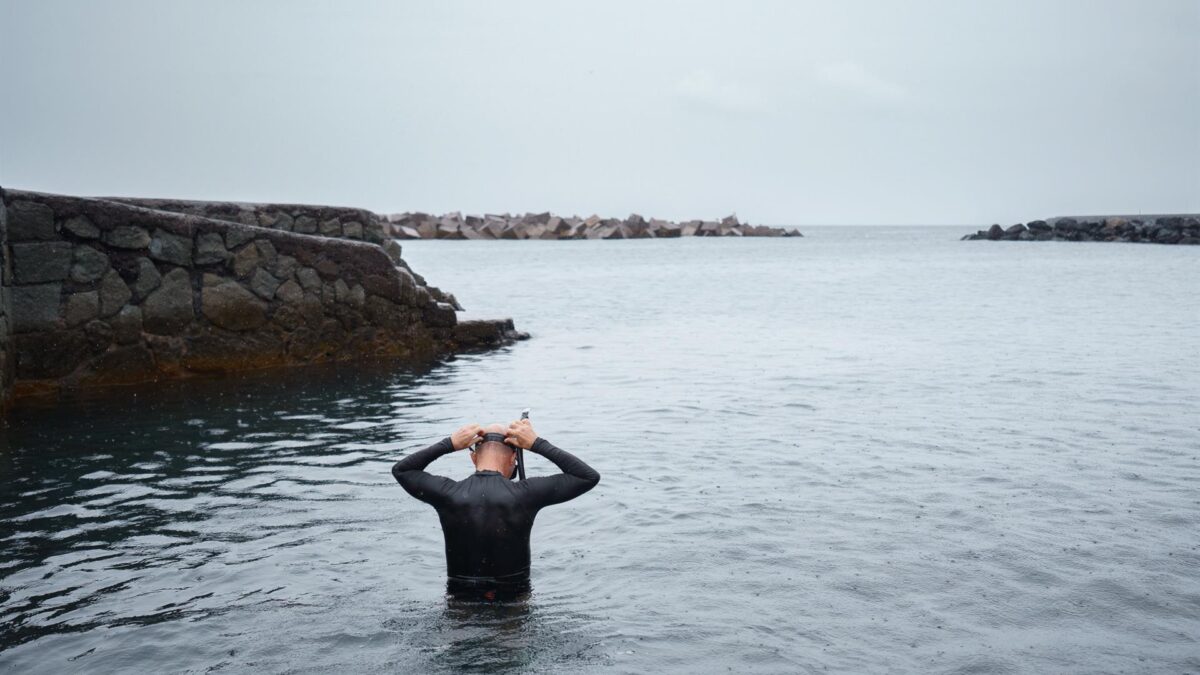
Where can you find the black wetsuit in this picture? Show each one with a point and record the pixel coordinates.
(486, 518)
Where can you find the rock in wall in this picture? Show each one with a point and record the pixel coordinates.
(6, 361)
(327, 221)
(108, 292)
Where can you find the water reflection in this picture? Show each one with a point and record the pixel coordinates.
(818, 456)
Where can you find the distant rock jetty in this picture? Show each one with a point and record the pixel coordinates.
(1165, 229)
(549, 226)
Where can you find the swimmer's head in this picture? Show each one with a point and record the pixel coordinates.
(492, 453)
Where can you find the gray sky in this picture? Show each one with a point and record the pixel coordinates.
(785, 112)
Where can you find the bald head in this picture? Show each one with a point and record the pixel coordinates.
(494, 455)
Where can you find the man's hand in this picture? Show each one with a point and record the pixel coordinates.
(466, 436)
(521, 434)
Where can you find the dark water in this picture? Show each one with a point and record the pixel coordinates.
(869, 450)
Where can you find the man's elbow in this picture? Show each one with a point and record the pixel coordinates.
(398, 471)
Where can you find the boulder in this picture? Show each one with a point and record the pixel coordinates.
(236, 236)
(90, 265)
(82, 307)
(229, 305)
(289, 292)
(114, 294)
(81, 227)
(331, 227)
(168, 309)
(246, 261)
(41, 262)
(264, 284)
(171, 248)
(210, 249)
(305, 225)
(35, 308)
(30, 221)
(148, 278)
(995, 232)
(128, 237)
(127, 325)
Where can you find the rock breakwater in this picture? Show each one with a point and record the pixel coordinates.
(113, 291)
(1167, 229)
(549, 226)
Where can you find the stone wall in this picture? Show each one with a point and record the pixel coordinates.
(1165, 229)
(6, 361)
(108, 292)
(326, 221)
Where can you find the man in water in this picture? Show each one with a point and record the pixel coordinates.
(486, 517)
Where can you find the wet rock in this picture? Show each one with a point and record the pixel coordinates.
(264, 284)
(393, 250)
(35, 308)
(148, 278)
(331, 227)
(127, 324)
(285, 266)
(99, 335)
(168, 309)
(210, 249)
(128, 237)
(306, 225)
(82, 307)
(995, 232)
(171, 248)
(113, 293)
(38, 263)
(236, 236)
(289, 291)
(82, 227)
(246, 261)
(440, 314)
(267, 255)
(229, 305)
(309, 279)
(30, 221)
(90, 265)
(50, 354)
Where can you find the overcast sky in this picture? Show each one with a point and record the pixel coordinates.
(785, 112)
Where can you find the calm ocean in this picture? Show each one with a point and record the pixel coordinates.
(867, 450)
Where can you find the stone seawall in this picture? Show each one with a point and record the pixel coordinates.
(6, 360)
(327, 221)
(550, 226)
(108, 292)
(1166, 229)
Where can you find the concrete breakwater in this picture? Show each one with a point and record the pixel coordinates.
(1165, 229)
(549, 226)
(113, 291)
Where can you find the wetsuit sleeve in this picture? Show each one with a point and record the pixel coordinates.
(410, 473)
(576, 477)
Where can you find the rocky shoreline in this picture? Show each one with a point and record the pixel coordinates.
(104, 291)
(549, 226)
(1165, 229)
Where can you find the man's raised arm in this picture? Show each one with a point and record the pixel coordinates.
(576, 477)
(410, 471)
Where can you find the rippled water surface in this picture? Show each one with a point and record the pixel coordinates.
(867, 450)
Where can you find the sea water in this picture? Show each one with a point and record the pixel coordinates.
(867, 450)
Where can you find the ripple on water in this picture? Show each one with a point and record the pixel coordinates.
(847, 473)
